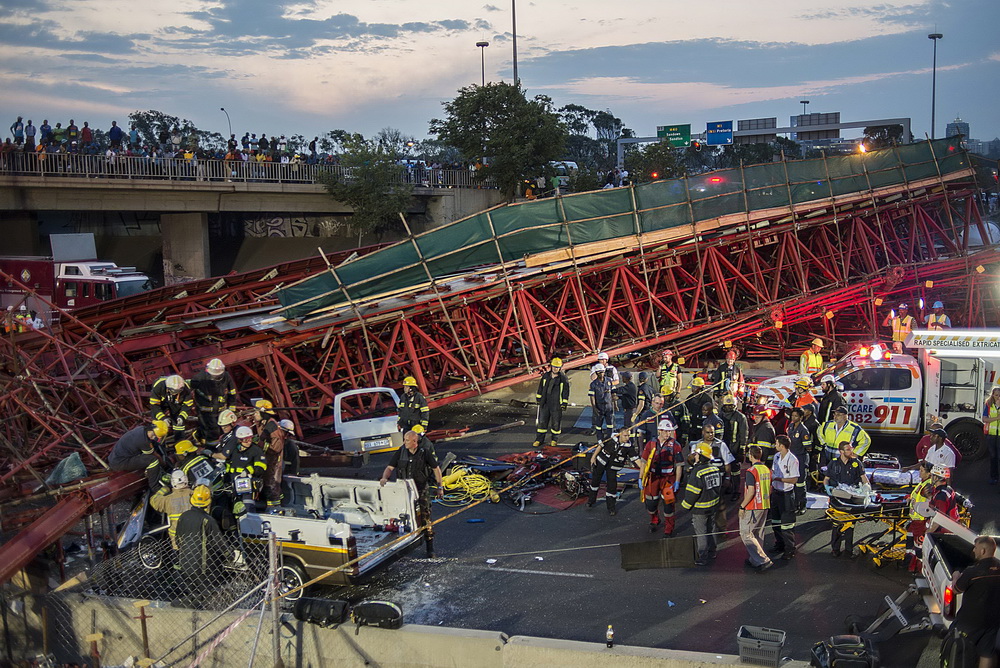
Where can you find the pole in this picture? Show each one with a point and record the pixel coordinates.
(273, 556)
(482, 50)
(513, 21)
(934, 37)
(228, 122)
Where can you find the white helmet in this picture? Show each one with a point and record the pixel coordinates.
(178, 479)
(175, 383)
(215, 367)
(288, 426)
(226, 417)
(598, 368)
(828, 378)
(602, 357)
(666, 425)
(244, 432)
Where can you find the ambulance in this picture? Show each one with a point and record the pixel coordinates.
(948, 377)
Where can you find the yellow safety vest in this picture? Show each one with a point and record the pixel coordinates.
(668, 377)
(934, 319)
(852, 432)
(762, 490)
(993, 428)
(901, 327)
(919, 493)
(810, 362)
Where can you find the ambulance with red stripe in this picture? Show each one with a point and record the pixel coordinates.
(948, 376)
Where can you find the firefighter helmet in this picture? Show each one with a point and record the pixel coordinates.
(704, 449)
(244, 432)
(409, 381)
(288, 426)
(184, 447)
(728, 400)
(226, 417)
(666, 425)
(264, 406)
(178, 479)
(556, 363)
(697, 381)
(160, 428)
(201, 497)
(828, 378)
(175, 383)
(941, 471)
(803, 383)
(417, 429)
(215, 367)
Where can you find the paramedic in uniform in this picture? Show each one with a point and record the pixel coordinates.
(415, 462)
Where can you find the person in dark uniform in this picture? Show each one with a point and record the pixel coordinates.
(702, 496)
(603, 418)
(271, 438)
(646, 392)
(728, 376)
(844, 470)
(412, 407)
(801, 445)
(605, 462)
(979, 585)
(214, 392)
(552, 396)
(627, 393)
(831, 401)
(136, 451)
(784, 474)
(735, 431)
(200, 548)
(227, 436)
(171, 400)
(191, 461)
(246, 460)
(415, 462)
(649, 418)
(762, 433)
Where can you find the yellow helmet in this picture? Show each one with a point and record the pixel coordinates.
(417, 429)
(201, 497)
(409, 381)
(697, 382)
(704, 449)
(160, 428)
(803, 383)
(817, 342)
(263, 405)
(556, 363)
(184, 447)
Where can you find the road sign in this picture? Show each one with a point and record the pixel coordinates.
(678, 135)
(719, 134)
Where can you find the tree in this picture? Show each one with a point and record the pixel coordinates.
(335, 141)
(883, 136)
(149, 123)
(792, 150)
(372, 183)
(517, 136)
(597, 154)
(653, 162)
(735, 155)
(585, 179)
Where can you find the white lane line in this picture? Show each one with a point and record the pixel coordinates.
(531, 572)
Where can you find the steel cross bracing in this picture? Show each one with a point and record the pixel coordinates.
(816, 269)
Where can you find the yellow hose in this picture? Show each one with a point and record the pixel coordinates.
(461, 487)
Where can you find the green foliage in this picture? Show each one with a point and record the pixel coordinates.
(585, 179)
(658, 158)
(883, 136)
(735, 155)
(373, 185)
(791, 149)
(598, 153)
(336, 141)
(518, 136)
(149, 123)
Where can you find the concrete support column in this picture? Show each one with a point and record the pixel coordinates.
(19, 231)
(185, 247)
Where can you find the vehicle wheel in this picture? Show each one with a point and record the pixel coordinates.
(291, 576)
(150, 552)
(968, 438)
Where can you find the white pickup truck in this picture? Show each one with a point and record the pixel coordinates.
(889, 393)
(365, 419)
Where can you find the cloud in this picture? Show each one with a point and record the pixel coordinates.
(492, 8)
(45, 34)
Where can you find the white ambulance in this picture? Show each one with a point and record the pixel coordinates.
(950, 376)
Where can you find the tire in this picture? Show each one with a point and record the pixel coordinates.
(290, 576)
(968, 438)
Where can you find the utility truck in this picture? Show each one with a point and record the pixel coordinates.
(948, 377)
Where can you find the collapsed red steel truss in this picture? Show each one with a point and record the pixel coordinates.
(816, 269)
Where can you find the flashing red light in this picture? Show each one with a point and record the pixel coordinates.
(655, 175)
(949, 601)
(715, 179)
(863, 351)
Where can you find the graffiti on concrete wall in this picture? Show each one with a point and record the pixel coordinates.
(293, 226)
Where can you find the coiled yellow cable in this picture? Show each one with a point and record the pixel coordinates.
(462, 487)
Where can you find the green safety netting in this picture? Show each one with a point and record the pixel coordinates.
(511, 232)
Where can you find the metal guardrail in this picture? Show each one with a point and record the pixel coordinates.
(211, 170)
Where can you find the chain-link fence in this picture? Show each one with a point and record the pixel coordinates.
(206, 603)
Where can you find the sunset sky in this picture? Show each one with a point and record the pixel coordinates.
(311, 66)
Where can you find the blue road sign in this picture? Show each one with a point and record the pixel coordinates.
(719, 134)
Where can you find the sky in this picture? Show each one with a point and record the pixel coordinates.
(309, 66)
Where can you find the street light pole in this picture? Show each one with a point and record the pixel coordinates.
(482, 49)
(934, 37)
(228, 122)
(803, 103)
(513, 21)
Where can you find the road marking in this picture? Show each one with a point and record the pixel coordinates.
(531, 572)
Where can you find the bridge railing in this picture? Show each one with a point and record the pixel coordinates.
(211, 170)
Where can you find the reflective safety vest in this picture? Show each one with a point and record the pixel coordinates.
(810, 362)
(936, 321)
(669, 377)
(762, 488)
(993, 428)
(920, 493)
(852, 432)
(901, 327)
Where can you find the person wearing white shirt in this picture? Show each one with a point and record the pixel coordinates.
(784, 473)
(939, 452)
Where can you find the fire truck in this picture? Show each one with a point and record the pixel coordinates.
(948, 377)
(70, 278)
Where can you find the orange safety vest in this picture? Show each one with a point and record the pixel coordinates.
(810, 362)
(762, 488)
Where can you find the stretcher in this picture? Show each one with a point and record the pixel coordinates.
(887, 510)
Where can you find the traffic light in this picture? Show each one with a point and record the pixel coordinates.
(695, 145)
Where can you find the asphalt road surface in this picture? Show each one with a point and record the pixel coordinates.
(557, 573)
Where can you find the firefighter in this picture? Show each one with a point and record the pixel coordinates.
(171, 400)
(802, 393)
(646, 393)
(412, 407)
(246, 460)
(271, 438)
(290, 455)
(702, 497)
(200, 547)
(173, 500)
(414, 462)
(188, 459)
(811, 360)
(728, 376)
(943, 498)
(936, 319)
(754, 510)
(610, 370)
(734, 426)
(832, 399)
(800, 442)
(662, 465)
(901, 324)
(23, 319)
(707, 418)
(602, 417)
(136, 450)
(627, 394)
(720, 452)
(552, 396)
(214, 392)
(605, 462)
(784, 474)
(840, 428)
(845, 469)
(670, 374)
(227, 435)
(762, 433)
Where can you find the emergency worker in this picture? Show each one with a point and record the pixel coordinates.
(23, 319)
(802, 393)
(552, 396)
(600, 393)
(414, 462)
(734, 426)
(662, 465)
(605, 463)
(728, 376)
(811, 360)
(610, 370)
(976, 619)
(646, 393)
(136, 450)
(702, 497)
(188, 460)
(784, 474)
(944, 499)
(938, 451)
(200, 548)
(991, 427)
(650, 418)
(412, 407)
(762, 433)
(936, 319)
(227, 435)
(670, 374)
(754, 510)
(707, 418)
(845, 469)
(627, 394)
(246, 460)
(840, 429)
(801, 444)
(173, 500)
(832, 399)
(917, 526)
(290, 455)
(214, 392)
(271, 437)
(901, 324)
(171, 400)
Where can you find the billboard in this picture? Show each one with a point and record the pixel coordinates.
(678, 135)
(719, 133)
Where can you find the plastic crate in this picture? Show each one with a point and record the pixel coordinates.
(760, 646)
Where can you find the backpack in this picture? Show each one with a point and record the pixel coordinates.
(957, 651)
(382, 614)
(846, 651)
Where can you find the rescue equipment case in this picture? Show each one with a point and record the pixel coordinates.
(845, 651)
(383, 614)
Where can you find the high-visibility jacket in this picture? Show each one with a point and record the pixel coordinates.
(762, 488)
(901, 327)
(704, 486)
(922, 492)
(992, 428)
(938, 321)
(830, 437)
(810, 362)
(171, 504)
(670, 377)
